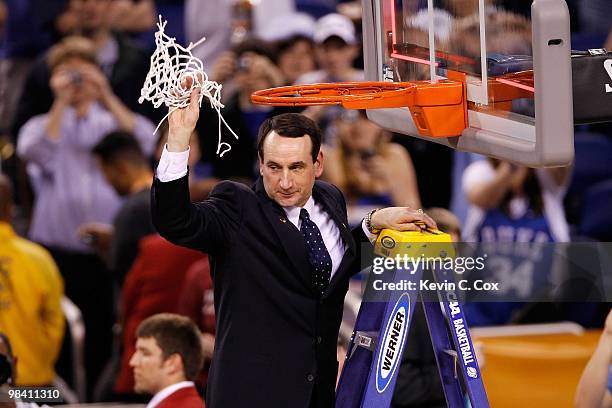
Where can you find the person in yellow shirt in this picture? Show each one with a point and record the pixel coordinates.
(31, 289)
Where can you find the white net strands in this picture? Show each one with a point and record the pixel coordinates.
(174, 74)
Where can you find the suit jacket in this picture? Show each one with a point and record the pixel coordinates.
(275, 338)
(183, 398)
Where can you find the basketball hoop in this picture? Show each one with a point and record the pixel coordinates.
(351, 95)
(439, 109)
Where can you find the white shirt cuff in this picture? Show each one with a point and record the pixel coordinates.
(172, 165)
(367, 233)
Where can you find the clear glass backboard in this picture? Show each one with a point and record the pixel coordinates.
(517, 71)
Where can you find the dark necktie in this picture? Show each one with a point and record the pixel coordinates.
(317, 253)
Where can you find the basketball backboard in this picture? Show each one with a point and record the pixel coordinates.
(517, 71)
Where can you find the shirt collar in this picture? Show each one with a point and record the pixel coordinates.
(71, 114)
(166, 392)
(293, 213)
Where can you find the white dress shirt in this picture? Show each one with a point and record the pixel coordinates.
(166, 392)
(173, 166)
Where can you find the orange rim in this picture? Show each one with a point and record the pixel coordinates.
(438, 109)
(353, 95)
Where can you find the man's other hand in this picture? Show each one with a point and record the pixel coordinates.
(224, 67)
(62, 85)
(401, 219)
(97, 235)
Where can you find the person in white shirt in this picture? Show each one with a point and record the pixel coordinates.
(517, 213)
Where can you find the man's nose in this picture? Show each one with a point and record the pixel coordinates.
(286, 181)
(133, 360)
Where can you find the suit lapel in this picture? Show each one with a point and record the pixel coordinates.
(290, 237)
(334, 209)
(292, 240)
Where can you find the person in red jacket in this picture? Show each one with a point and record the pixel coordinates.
(167, 360)
(153, 285)
(197, 302)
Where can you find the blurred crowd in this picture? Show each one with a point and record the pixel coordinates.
(77, 153)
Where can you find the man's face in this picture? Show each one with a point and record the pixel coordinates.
(82, 89)
(297, 60)
(92, 13)
(358, 134)
(287, 169)
(335, 55)
(149, 366)
(117, 175)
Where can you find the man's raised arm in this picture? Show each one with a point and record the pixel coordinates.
(206, 226)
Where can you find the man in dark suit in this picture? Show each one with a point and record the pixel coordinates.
(281, 257)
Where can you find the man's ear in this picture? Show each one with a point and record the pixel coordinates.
(174, 364)
(318, 164)
(122, 166)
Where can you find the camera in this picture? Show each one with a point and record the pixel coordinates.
(89, 239)
(243, 64)
(367, 154)
(76, 78)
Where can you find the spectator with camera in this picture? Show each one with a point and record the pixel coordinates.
(70, 189)
(369, 169)
(167, 360)
(58, 144)
(123, 63)
(507, 197)
(512, 207)
(31, 289)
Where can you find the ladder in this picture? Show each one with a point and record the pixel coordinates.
(377, 344)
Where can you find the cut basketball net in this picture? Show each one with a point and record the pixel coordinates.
(174, 74)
